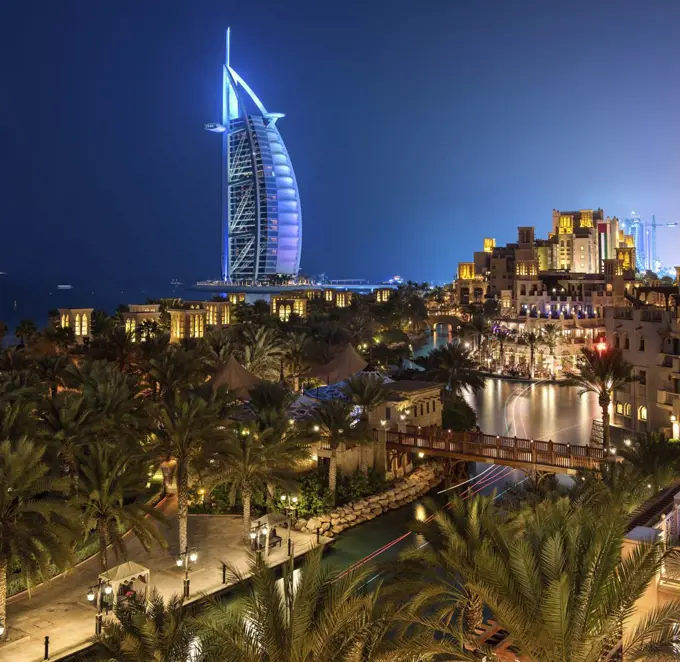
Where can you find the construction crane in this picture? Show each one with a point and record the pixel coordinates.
(654, 226)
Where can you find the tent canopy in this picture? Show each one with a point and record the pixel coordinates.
(236, 378)
(124, 572)
(345, 365)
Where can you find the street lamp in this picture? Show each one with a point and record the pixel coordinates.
(290, 505)
(184, 560)
(94, 594)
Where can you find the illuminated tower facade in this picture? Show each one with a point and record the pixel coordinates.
(261, 217)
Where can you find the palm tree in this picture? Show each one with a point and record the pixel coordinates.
(190, 423)
(115, 345)
(34, 528)
(250, 461)
(532, 339)
(108, 492)
(501, 334)
(25, 330)
(270, 403)
(453, 365)
(174, 369)
(150, 630)
(333, 422)
(221, 345)
(3, 332)
(316, 616)
(551, 336)
(435, 575)
(366, 391)
(655, 459)
(262, 352)
(479, 327)
(67, 423)
(50, 370)
(561, 588)
(296, 346)
(601, 373)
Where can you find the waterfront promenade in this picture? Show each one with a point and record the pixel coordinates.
(60, 609)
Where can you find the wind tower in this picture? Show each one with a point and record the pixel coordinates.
(261, 216)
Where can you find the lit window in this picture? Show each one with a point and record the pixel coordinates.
(642, 413)
(619, 407)
(627, 410)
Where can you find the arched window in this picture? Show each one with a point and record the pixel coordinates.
(284, 312)
(642, 413)
(641, 343)
(76, 330)
(626, 341)
(619, 407)
(617, 341)
(84, 326)
(627, 409)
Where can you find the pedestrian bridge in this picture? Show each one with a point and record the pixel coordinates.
(526, 454)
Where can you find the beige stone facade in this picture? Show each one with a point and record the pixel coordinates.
(650, 340)
(78, 319)
(138, 317)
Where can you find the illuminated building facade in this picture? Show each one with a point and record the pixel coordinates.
(293, 303)
(78, 319)
(261, 216)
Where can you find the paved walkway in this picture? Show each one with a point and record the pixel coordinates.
(60, 608)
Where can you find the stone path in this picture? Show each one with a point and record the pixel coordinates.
(60, 610)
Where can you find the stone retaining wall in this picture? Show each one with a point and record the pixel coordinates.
(413, 486)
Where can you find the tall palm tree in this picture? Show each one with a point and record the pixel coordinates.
(296, 346)
(655, 459)
(19, 397)
(315, 616)
(479, 328)
(531, 338)
(551, 336)
(252, 461)
(190, 424)
(561, 588)
(601, 373)
(501, 334)
(262, 352)
(453, 365)
(366, 391)
(333, 422)
(108, 493)
(34, 528)
(221, 344)
(150, 630)
(25, 330)
(270, 403)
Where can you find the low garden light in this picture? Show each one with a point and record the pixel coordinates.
(627, 442)
(316, 428)
(2, 628)
(421, 455)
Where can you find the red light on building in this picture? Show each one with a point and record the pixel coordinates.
(601, 346)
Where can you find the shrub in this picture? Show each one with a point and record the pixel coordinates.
(458, 415)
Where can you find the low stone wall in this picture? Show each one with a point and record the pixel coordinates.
(410, 488)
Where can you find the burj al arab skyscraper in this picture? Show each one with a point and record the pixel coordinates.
(261, 217)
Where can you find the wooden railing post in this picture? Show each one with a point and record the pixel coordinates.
(552, 452)
(570, 459)
(533, 450)
(498, 447)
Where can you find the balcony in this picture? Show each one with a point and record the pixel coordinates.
(664, 360)
(665, 399)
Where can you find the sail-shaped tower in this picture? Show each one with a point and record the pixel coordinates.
(261, 217)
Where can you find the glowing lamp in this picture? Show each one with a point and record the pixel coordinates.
(601, 346)
(90, 596)
(193, 557)
(283, 497)
(421, 455)
(179, 563)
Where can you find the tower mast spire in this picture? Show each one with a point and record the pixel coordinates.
(228, 47)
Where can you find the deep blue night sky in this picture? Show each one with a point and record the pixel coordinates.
(415, 128)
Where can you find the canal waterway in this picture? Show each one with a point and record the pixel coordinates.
(539, 411)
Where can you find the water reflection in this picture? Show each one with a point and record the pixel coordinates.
(532, 411)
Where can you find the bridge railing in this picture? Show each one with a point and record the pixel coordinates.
(497, 447)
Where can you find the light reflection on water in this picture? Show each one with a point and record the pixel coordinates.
(532, 411)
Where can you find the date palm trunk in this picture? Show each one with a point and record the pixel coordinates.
(473, 612)
(604, 401)
(3, 596)
(246, 498)
(333, 475)
(182, 505)
(103, 544)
